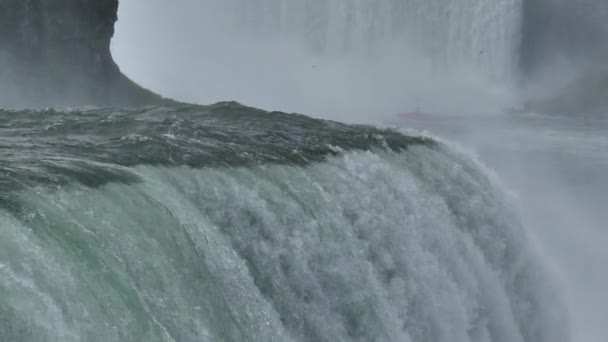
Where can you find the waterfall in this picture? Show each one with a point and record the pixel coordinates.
(450, 33)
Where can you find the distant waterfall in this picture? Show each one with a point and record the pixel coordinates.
(330, 58)
(478, 33)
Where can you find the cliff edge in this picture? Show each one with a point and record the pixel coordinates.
(56, 53)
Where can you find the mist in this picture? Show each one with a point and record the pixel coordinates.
(555, 168)
(202, 52)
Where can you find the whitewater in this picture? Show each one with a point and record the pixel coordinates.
(227, 223)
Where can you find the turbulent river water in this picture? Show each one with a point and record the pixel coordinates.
(227, 223)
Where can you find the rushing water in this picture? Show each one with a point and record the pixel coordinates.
(226, 223)
(229, 223)
(557, 168)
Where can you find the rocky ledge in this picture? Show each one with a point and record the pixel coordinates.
(56, 53)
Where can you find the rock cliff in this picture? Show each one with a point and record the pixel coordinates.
(56, 53)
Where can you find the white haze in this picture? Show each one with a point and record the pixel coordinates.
(557, 169)
(188, 50)
(196, 52)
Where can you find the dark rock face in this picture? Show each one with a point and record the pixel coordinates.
(56, 53)
(586, 95)
(576, 30)
(567, 38)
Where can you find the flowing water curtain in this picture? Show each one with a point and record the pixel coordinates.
(325, 26)
(228, 223)
(451, 33)
(474, 33)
